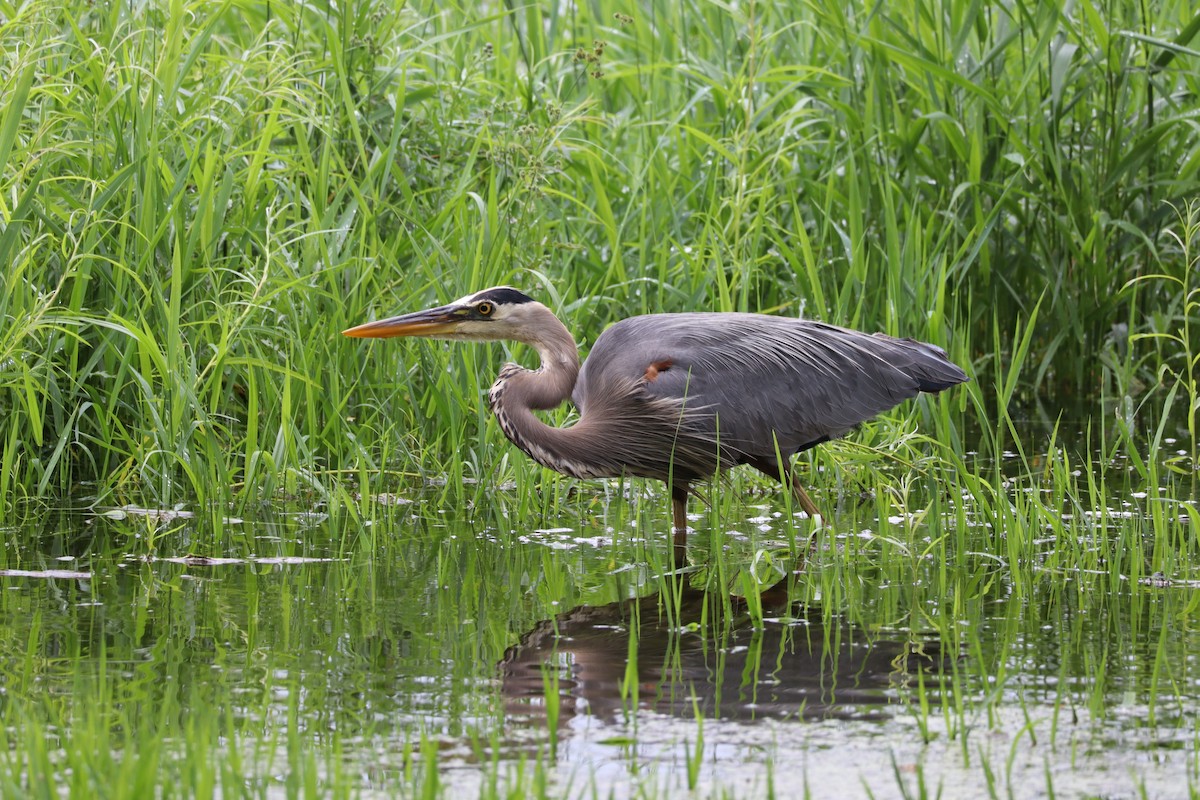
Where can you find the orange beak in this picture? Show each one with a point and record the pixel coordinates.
(434, 322)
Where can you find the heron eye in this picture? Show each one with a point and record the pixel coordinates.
(484, 309)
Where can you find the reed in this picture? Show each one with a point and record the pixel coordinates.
(199, 198)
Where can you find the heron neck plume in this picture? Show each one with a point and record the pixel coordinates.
(551, 383)
(519, 391)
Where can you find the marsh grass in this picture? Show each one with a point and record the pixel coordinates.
(198, 198)
(195, 200)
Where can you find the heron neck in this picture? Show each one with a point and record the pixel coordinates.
(518, 391)
(551, 383)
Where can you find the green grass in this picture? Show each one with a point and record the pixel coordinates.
(199, 197)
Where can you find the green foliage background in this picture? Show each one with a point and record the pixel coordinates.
(196, 198)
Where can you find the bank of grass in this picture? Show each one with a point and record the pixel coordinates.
(197, 198)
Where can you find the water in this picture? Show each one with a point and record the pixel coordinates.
(346, 656)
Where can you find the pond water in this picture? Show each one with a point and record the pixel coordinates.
(397, 648)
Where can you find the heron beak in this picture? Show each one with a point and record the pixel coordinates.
(434, 322)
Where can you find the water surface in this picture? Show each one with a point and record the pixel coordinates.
(350, 655)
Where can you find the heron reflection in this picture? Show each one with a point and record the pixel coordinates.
(803, 666)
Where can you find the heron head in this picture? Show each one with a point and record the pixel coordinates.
(487, 316)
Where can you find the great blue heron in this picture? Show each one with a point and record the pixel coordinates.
(678, 397)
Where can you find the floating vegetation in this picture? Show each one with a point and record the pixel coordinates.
(49, 574)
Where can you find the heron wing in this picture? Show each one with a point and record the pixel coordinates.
(759, 380)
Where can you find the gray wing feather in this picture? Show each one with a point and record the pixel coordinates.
(759, 379)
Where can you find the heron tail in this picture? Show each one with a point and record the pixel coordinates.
(928, 365)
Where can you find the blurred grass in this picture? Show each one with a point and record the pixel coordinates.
(196, 198)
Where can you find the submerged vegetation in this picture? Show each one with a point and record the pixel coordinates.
(196, 198)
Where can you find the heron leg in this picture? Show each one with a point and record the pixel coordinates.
(679, 497)
(783, 472)
(802, 497)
